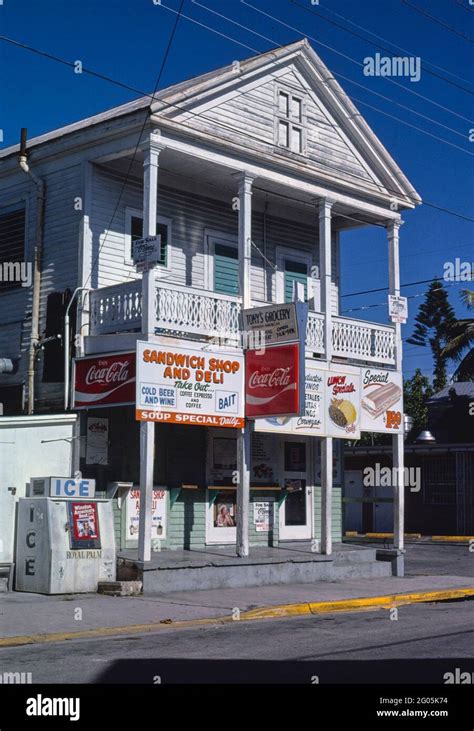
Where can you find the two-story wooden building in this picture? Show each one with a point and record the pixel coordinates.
(251, 174)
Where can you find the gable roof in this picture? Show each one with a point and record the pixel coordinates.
(178, 100)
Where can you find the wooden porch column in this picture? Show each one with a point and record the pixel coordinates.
(152, 149)
(325, 264)
(397, 439)
(245, 435)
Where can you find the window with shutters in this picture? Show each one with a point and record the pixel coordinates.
(12, 246)
(226, 269)
(134, 231)
(290, 121)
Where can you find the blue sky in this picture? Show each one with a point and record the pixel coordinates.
(126, 40)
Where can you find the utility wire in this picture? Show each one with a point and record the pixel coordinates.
(346, 78)
(352, 60)
(437, 20)
(145, 121)
(167, 105)
(384, 48)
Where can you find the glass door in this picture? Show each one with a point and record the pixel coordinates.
(296, 509)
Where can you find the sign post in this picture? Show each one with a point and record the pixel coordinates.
(147, 428)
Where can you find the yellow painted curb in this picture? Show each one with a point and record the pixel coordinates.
(455, 539)
(365, 603)
(282, 610)
(354, 534)
(390, 535)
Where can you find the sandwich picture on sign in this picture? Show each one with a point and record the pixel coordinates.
(382, 400)
(343, 405)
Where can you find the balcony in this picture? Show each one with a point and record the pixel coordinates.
(200, 314)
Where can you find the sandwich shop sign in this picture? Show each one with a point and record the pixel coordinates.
(188, 386)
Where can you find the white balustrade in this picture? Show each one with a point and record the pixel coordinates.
(361, 340)
(191, 312)
(197, 312)
(116, 308)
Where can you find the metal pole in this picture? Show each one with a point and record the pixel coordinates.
(147, 428)
(325, 265)
(397, 439)
(66, 345)
(244, 438)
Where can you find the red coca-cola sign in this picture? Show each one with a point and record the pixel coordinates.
(272, 381)
(104, 380)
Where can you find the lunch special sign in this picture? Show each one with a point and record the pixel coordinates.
(189, 386)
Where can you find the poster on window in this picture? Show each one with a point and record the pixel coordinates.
(97, 441)
(132, 514)
(264, 459)
(224, 460)
(343, 403)
(382, 401)
(263, 515)
(224, 513)
(83, 525)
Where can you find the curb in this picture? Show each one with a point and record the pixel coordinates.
(453, 539)
(283, 610)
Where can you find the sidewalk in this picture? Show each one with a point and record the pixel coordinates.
(38, 618)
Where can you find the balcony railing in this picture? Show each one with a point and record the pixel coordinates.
(199, 314)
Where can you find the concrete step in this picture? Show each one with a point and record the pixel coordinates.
(166, 580)
(120, 588)
(368, 555)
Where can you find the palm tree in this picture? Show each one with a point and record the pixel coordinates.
(461, 336)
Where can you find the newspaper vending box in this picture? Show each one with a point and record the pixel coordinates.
(65, 537)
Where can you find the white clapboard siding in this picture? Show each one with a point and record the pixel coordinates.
(60, 261)
(249, 116)
(191, 216)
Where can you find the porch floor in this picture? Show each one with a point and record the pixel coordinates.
(217, 566)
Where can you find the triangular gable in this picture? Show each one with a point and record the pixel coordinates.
(239, 104)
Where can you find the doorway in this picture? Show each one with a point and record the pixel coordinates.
(296, 511)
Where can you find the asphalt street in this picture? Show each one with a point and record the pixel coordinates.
(420, 631)
(438, 632)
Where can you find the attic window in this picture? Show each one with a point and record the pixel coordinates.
(289, 130)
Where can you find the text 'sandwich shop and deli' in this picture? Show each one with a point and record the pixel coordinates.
(199, 399)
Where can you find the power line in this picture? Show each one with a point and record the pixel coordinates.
(409, 297)
(384, 289)
(353, 60)
(342, 96)
(437, 20)
(362, 86)
(167, 105)
(145, 121)
(461, 5)
(375, 35)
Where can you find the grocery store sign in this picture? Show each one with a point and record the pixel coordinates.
(275, 324)
(188, 386)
